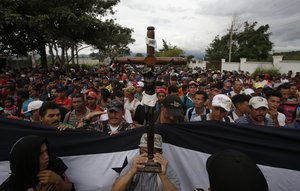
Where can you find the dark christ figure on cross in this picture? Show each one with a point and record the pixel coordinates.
(149, 96)
(149, 85)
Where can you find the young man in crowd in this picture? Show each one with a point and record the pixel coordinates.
(62, 99)
(50, 115)
(91, 99)
(227, 87)
(257, 115)
(287, 106)
(171, 111)
(161, 94)
(139, 91)
(189, 98)
(130, 102)
(237, 88)
(241, 106)
(113, 125)
(80, 110)
(220, 106)
(273, 98)
(199, 109)
(34, 108)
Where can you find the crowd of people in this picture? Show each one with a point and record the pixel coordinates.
(110, 98)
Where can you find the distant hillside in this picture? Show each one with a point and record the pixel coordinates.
(293, 55)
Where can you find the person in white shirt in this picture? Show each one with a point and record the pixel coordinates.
(130, 102)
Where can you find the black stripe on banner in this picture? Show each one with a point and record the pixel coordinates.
(69, 142)
(278, 147)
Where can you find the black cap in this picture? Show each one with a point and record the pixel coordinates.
(234, 171)
(174, 105)
(115, 105)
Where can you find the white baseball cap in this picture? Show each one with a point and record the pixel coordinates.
(223, 101)
(257, 102)
(249, 91)
(34, 105)
(140, 84)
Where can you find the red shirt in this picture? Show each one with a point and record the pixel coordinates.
(63, 102)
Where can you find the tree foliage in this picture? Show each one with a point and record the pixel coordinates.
(169, 51)
(29, 25)
(251, 43)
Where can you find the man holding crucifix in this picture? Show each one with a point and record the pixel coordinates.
(132, 180)
(149, 161)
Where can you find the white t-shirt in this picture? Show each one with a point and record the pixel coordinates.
(131, 106)
(113, 129)
(281, 118)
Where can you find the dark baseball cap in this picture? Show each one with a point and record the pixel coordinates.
(115, 105)
(174, 105)
(235, 171)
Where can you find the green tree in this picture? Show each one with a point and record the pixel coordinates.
(254, 43)
(250, 43)
(31, 25)
(139, 55)
(190, 58)
(169, 51)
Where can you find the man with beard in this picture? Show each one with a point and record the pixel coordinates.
(258, 111)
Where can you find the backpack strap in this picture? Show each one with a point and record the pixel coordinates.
(190, 113)
(207, 110)
(230, 114)
(184, 100)
(227, 120)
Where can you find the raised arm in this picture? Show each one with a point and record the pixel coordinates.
(134, 67)
(164, 69)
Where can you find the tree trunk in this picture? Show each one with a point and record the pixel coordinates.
(43, 56)
(57, 58)
(73, 54)
(51, 53)
(77, 58)
(67, 57)
(62, 55)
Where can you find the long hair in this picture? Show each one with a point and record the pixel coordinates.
(25, 162)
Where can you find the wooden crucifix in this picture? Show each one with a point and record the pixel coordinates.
(149, 74)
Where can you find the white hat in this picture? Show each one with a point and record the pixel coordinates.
(223, 101)
(140, 84)
(249, 91)
(257, 102)
(34, 105)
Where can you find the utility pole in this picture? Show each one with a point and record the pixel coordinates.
(235, 26)
(231, 30)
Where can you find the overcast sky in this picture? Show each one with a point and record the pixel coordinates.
(193, 24)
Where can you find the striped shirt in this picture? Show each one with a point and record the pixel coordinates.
(247, 120)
